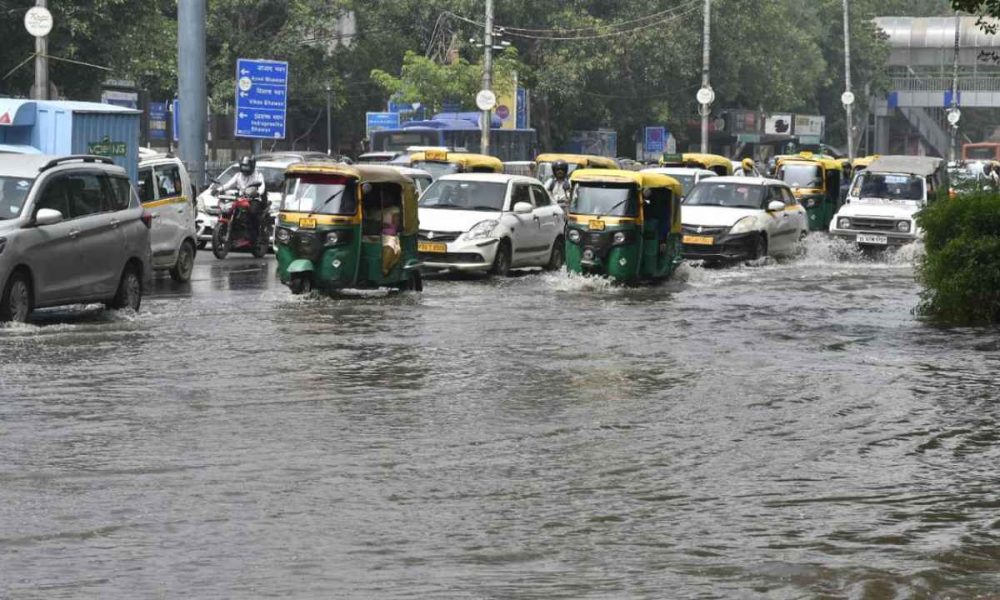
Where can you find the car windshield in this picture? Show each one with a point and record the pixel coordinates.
(13, 191)
(729, 195)
(465, 195)
(801, 176)
(605, 199)
(319, 194)
(436, 169)
(885, 186)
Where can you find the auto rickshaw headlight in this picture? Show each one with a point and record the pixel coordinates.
(844, 223)
(282, 235)
(574, 235)
(619, 238)
(333, 238)
(903, 226)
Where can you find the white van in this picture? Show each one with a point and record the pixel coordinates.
(166, 193)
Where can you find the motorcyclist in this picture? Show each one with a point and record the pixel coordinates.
(558, 185)
(748, 168)
(247, 176)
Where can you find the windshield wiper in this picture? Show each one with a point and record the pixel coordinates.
(327, 201)
(611, 210)
(483, 207)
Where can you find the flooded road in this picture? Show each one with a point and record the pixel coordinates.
(783, 431)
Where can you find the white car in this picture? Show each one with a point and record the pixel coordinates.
(488, 222)
(741, 218)
(422, 179)
(166, 193)
(273, 169)
(884, 199)
(686, 176)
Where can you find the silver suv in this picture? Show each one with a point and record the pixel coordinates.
(72, 231)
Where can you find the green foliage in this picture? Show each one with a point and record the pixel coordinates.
(961, 270)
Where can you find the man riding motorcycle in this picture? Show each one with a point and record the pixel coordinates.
(248, 176)
(559, 185)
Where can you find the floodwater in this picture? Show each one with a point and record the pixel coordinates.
(788, 430)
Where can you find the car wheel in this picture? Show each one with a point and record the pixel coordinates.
(501, 262)
(220, 241)
(129, 294)
(558, 256)
(300, 284)
(182, 269)
(415, 283)
(759, 248)
(15, 303)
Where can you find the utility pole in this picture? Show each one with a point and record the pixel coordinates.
(704, 100)
(329, 124)
(41, 89)
(848, 97)
(953, 112)
(487, 78)
(191, 16)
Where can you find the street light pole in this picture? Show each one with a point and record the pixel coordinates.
(953, 110)
(41, 89)
(705, 55)
(848, 94)
(329, 125)
(487, 78)
(192, 87)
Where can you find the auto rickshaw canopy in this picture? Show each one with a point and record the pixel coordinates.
(585, 161)
(713, 162)
(467, 160)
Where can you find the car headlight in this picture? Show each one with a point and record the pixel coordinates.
(903, 226)
(844, 223)
(574, 235)
(282, 235)
(744, 225)
(618, 238)
(481, 230)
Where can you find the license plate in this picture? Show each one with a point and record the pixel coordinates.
(307, 223)
(596, 226)
(864, 238)
(700, 240)
(432, 247)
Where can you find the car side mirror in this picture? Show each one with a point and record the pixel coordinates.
(522, 208)
(776, 206)
(48, 216)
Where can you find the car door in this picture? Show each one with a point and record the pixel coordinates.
(527, 227)
(177, 218)
(159, 231)
(550, 218)
(799, 217)
(101, 247)
(782, 231)
(52, 249)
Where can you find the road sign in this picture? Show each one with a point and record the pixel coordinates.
(261, 98)
(157, 120)
(377, 121)
(847, 98)
(38, 21)
(705, 95)
(486, 100)
(656, 140)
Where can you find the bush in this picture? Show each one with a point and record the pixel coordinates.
(961, 269)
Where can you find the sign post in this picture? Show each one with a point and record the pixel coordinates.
(261, 99)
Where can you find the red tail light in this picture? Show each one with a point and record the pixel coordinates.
(147, 219)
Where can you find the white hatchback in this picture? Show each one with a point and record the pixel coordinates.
(741, 218)
(167, 195)
(491, 223)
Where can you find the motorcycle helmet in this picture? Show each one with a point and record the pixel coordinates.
(748, 166)
(248, 164)
(560, 165)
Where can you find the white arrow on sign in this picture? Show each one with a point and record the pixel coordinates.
(244, 72)
(243, 115)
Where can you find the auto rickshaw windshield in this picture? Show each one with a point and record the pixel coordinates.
(320, 194)
(605, 199)
(801, 176)
(436, 169)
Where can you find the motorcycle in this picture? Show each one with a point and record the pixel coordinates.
(232, 230)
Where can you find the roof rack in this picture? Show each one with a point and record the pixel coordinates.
(74, 157)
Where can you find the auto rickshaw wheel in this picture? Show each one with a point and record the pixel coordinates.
(501, 262)
(300, 284)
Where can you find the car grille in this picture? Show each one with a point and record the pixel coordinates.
(451, 258)
(713, 231)
(872, 224)
(438, 236)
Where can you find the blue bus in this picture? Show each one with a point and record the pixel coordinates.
(458, 130)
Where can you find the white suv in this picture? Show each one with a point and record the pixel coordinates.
(489, 223)
(167, 195)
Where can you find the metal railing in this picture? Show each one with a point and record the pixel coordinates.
(938, 84)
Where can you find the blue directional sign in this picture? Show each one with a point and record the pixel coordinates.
(261, 98)
(377, 121)
(157, 116)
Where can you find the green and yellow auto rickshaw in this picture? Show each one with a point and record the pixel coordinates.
(815, 181)
(347, 227)
(623, 224)
(720, 165)
(443, 162)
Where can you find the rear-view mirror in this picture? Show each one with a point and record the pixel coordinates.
(776, 206)
(48, 216)
(523, 208)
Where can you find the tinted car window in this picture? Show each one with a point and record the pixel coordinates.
(13, 192)
(121, 193)
(54, 197)
(86, 195)
(520, 193)
(542, 197)
(146, 193)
